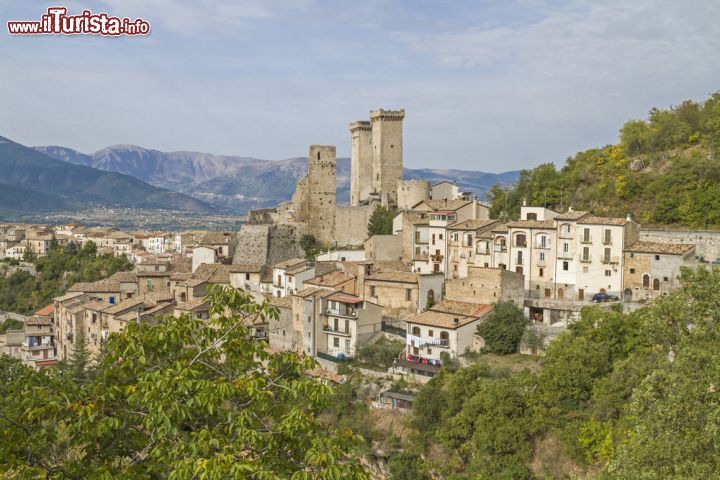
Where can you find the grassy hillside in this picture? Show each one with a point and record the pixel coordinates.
(664, 170)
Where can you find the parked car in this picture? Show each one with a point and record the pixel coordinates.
(604, 297)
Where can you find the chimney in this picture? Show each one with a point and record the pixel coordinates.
(474, 208)
(570, 209)
(628, 218)
(524, 202)
(445, 200)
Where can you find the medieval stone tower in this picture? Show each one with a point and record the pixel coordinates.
(387, 151)
(361, 162)
(321, 190)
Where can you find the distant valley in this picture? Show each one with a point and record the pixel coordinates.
(237, 183)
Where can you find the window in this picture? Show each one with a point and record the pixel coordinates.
(372, 290)
(585, 269)
(632, 270)
(440, 236)
(111, 300)
(586, 254)
(531, 216)
(430, 333)
(247, 276)
(566, 247)
(416, 330)
(586, 235)
(429, 350)
(542, 256)
(665, 279)
(336, 342)
(416, 350)
(433, 239)
(519, 258)
(657, 257)
(541, 272)
(606, 256)
(520, 240)
(608, 273)
(646, 281)
(566, 266)
(444, 336)
(656, 284)
(347, 344)
(608, 236)
(347, 326)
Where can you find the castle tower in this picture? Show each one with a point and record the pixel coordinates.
(361, 162)
(412, 192)
(387, 154)
(321, 191)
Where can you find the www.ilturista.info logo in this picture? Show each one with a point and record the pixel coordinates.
(57, 22)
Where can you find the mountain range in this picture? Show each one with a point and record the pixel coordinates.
(31, 181)
(237, 183)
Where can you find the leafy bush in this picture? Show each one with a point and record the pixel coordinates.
(380, 354)
(503, 329)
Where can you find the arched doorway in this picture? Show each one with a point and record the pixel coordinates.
(560, 294)
(656, 284)
(628, 294)
(646, 281)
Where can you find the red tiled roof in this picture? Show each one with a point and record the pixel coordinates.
(46, 310)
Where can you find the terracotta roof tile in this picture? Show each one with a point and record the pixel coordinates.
(659, 247)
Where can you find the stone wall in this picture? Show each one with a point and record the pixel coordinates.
(412, 192)
(253, 244)
(351, 225)
(379, 248)
(707, 242)
(285, 243)
(487, 285)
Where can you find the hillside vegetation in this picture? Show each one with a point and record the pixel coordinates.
(619, 396)
(664, 170)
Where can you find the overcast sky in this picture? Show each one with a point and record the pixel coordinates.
(486, 85)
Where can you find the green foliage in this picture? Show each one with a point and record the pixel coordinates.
(10, 324)
(79, 360)
(182, 399)
(406, 466)
(678, 153)
(311, 247)
(627, 396)
(381, 221)
(380, 354)
(503, 329)
(56, 272)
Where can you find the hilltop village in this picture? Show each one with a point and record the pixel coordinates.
(429, 283)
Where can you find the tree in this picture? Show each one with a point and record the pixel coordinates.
(79, 360)
(381, 221)
(503, 329)
(311, 247)
(182, 399)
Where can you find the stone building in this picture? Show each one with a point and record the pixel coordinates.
(387, 152)
(321, 193)
(361, 165)
(652, 269)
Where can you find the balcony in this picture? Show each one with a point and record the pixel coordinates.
(564, 234)
(521, 244)
(586, 239)
(605, 259)
(350, 312)
(567, 255)
(607, 241)
(415, 341)
(544, 246)
(437, 258)
(541, 263)
(330, 329)
(500, 248)
(585, 259)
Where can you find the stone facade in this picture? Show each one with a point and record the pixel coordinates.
(707, 242)
(412, 192)
(387, 151)
(487, 285)
(361, 162)
(351, 224)
(321, 193)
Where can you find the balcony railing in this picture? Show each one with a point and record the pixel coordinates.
(415, 341)
(585, 259)
(350, 312)
(564, 255)
(330, 329)
(545, 245)
(606, 259)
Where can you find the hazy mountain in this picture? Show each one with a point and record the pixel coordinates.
(240, 183)
(31, 181)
